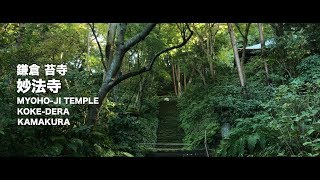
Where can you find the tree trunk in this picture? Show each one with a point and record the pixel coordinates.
(207, 39)
(236, 55)
(178, 80)
(210, 51)
(114, 57)
(174, 79)
(245, 42)
(110, 46)
(263, 53)
(119, 47)
(140, 92)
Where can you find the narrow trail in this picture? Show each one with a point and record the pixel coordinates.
(169, 130)
(170, 135)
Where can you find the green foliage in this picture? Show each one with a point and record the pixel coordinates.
(128, 130)
(125, 131)
(205, 109)
(288, 51)
(289, 125)
(41, 44)
(311, 33)
(308, 69)
(277, 120)
(250, 135)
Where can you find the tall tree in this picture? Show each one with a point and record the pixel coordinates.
(236, 55)
(116, 48)
(263, 53)
(207, 36)
(174, 78)
(178, 75)
(244, 43)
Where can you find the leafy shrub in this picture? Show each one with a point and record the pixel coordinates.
(289, 125)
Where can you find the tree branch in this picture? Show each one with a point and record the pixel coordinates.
(139, 37)
(245, 41)
(185, 40)
(97, 41)
(247, 29)
(149, 68)
(119, 53)
(201, 38)
(238, 27)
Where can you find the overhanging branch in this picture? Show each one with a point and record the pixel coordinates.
(185, 40)
(149, 68)
(139, 37)
(238, 27)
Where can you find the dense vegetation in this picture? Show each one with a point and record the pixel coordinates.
(250, 102)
